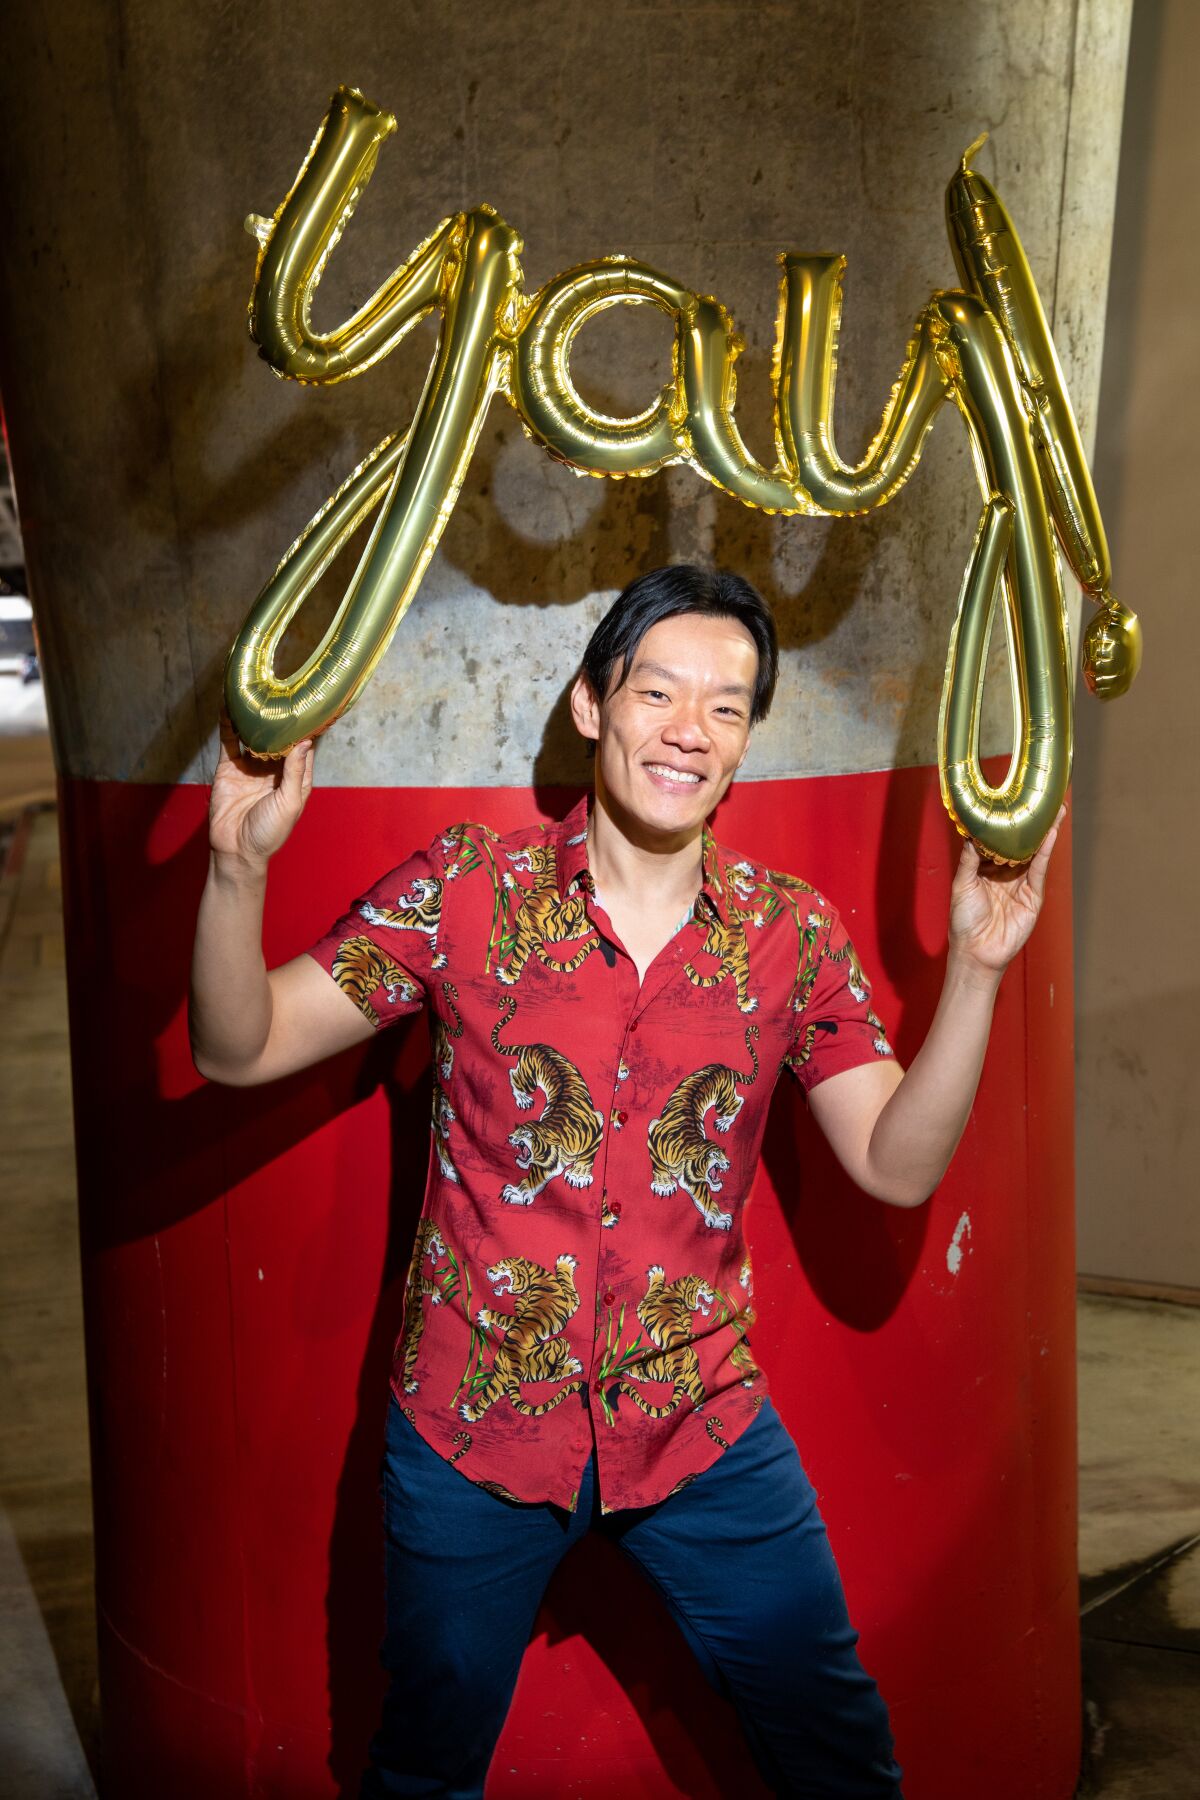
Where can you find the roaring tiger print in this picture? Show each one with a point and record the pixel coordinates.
(741, 1318)
(361, 966)
(748, 884)
(420, 911)
(565, 1139)
(459, 841)
(741, 1358)
(498, 1489)
(729, 943)
(778, 879)
(856, 981)
(879, 1043)
(443, 1067)
(800, 1053)
(546, 917)
(681, 1155)
(538, 860)
(428, 1245)
(667, 1310)
(532, 1347)
(684, 1481)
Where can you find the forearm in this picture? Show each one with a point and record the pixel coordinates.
(229, 1010)
(919, 1128)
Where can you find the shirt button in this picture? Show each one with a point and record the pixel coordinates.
(609, 1297)
(614, 1206)
(633, 1024)
(622, 1118)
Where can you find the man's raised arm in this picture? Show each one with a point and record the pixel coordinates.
(895, 1134)
(248, 1024)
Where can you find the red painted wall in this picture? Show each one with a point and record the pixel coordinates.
(244, 1255)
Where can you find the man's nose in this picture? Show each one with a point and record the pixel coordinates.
(686, 727)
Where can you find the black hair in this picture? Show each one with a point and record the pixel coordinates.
(665, 593)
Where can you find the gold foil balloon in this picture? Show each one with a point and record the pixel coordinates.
(993, 265)
(987, 350)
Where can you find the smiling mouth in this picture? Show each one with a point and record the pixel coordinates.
(681, 777)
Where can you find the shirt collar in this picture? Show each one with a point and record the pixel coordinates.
(572, 863)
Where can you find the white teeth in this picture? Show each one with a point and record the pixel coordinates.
(680, 775)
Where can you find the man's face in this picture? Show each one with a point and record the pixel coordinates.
(670, 738)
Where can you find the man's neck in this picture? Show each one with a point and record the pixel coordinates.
(632, 867)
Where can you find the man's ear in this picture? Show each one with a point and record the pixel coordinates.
(585, 708)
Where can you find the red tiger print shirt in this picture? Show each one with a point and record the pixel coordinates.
(580, 1274)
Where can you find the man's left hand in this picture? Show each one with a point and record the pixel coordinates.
(994, 906)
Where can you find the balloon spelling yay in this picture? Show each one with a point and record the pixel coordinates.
(985, 347)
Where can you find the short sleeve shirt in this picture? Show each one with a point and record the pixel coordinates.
(580, 1276)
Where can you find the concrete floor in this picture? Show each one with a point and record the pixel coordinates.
(1139, 1431)
(1139, 1547)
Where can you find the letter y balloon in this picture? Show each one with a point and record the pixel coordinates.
(984, 347)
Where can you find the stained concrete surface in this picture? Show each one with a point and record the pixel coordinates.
(1138, 1027)
(162, 476)
(49, 1700)
(1139, 1372)
(1139, 1547)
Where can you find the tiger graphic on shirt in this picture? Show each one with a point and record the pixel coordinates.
(729, 943)
(740, 1315)
(531, 1346)
(565, 1139)
(856, 981)
(443, 1067)
(681, 1154)
(360, 966)
(667, 1311)
(420, 911)
(538, 860)
(429, 1247)
(543, 918)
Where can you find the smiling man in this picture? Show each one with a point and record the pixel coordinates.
(611, 1000)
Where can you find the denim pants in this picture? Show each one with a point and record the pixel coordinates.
(740, 1555)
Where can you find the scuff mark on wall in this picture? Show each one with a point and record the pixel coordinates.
(954, 1255)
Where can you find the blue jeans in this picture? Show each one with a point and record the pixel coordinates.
(740, 1556)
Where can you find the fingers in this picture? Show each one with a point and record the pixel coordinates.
(968, 864)
(296, 764)
(310, 761)
(1040, 865)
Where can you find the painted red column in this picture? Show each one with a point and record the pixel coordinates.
(244, 1252)
(244, 1258)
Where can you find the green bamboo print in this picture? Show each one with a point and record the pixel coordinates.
(730, 1312)
(616, 1360)
(477, 852)
(475, 1375)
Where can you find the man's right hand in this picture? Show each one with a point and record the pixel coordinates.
(255, 804)
(247, 1024)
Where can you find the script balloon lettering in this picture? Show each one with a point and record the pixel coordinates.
(986, 348)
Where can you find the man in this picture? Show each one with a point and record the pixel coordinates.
(612, 999)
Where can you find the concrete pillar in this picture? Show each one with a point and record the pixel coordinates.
(244, 1252)
(1137, 1112)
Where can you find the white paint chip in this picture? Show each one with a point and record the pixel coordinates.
(954, 1255)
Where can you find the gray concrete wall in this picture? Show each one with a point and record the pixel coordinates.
(1137, 863)
(162, 470)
